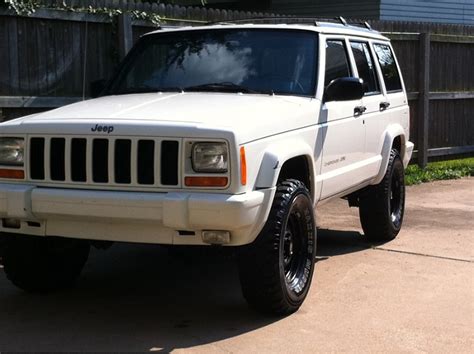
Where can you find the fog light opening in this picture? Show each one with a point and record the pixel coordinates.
(33, 224)
(11, 223)
(186, 233)
(216, 237)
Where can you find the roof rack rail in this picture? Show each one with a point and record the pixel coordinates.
(342, 20)
(367, 25)
(296, 19)
(315, 21)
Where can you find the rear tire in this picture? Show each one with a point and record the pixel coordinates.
(382, 206)
(42, 264)
(277, 268)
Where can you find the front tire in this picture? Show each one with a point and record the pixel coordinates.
(42, 264)
(277, 268)
(382, 206)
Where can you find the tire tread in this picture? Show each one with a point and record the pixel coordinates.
(262, 289)
(374, 209)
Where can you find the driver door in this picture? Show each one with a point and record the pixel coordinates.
(343, 129)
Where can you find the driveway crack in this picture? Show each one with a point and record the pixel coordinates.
(423, 254)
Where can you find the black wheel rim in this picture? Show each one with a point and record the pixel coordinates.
(296, 250)
(397, 189)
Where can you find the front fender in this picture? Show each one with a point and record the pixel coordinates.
(275, 157)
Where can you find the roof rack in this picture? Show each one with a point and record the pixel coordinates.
(296, 20)
(342, 20)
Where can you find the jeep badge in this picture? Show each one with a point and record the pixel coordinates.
(103, 128)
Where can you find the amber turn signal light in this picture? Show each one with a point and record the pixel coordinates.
(243, 167)
(206, 181)
(16, 174)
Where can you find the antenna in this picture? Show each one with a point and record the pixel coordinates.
(367, 25)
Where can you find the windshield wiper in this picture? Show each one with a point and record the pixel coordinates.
(213, 87)
(224, 87)
(148, 90)
(169, 89)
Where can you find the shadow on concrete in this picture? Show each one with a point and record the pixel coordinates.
(335, 243)
(132, 298)
(141, 298)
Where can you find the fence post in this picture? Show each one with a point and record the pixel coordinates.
(424, 99)
(125, 34)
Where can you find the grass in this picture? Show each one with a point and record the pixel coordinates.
(439, 171)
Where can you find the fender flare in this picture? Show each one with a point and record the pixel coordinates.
(275, 157)
(393, 131)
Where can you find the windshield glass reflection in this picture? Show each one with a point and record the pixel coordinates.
(251, 61)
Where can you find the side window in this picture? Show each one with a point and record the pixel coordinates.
(337, 64)
(389, 68)
(365, 67)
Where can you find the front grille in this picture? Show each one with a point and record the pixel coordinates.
(78, 155)
(100, 161)
(109, 161)
(146, 158)
(37, 158)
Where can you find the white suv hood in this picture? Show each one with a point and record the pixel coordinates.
(248, 116)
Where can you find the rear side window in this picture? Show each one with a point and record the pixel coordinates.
(390, 72)
(365, 67)
(337, 64)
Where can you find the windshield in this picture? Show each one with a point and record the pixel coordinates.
(237, 60)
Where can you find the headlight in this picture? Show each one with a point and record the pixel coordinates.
(12, 151)
(210, 157)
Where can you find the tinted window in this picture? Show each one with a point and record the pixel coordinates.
(259, 60)
(337, 64)
(388, 66)
(365, 67)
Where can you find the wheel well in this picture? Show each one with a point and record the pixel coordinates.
(297, 168)
(397, 144)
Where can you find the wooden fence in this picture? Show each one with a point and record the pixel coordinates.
(439, 77)
(48, 59)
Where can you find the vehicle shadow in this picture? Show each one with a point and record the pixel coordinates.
(336, 242)
(132, 298)
(141, 298)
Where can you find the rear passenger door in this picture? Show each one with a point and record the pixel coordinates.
(343, 131)
(373, 103)
(393, 106)
(392, 79)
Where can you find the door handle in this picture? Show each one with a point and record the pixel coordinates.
(359, 110)
(384, 105)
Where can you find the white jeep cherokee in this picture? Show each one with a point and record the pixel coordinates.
(217, 135)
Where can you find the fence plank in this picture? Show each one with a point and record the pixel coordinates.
(451, 95)
(445, 38)
(451, 150)
(13, 50)
(4, 58)
(48, 14)
(36, 102)
(125, 35)
(447, 151)
(424, 98)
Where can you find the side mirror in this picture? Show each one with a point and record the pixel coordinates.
(97, 87)
(344, 89)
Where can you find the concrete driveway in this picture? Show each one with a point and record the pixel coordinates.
(412, 294)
